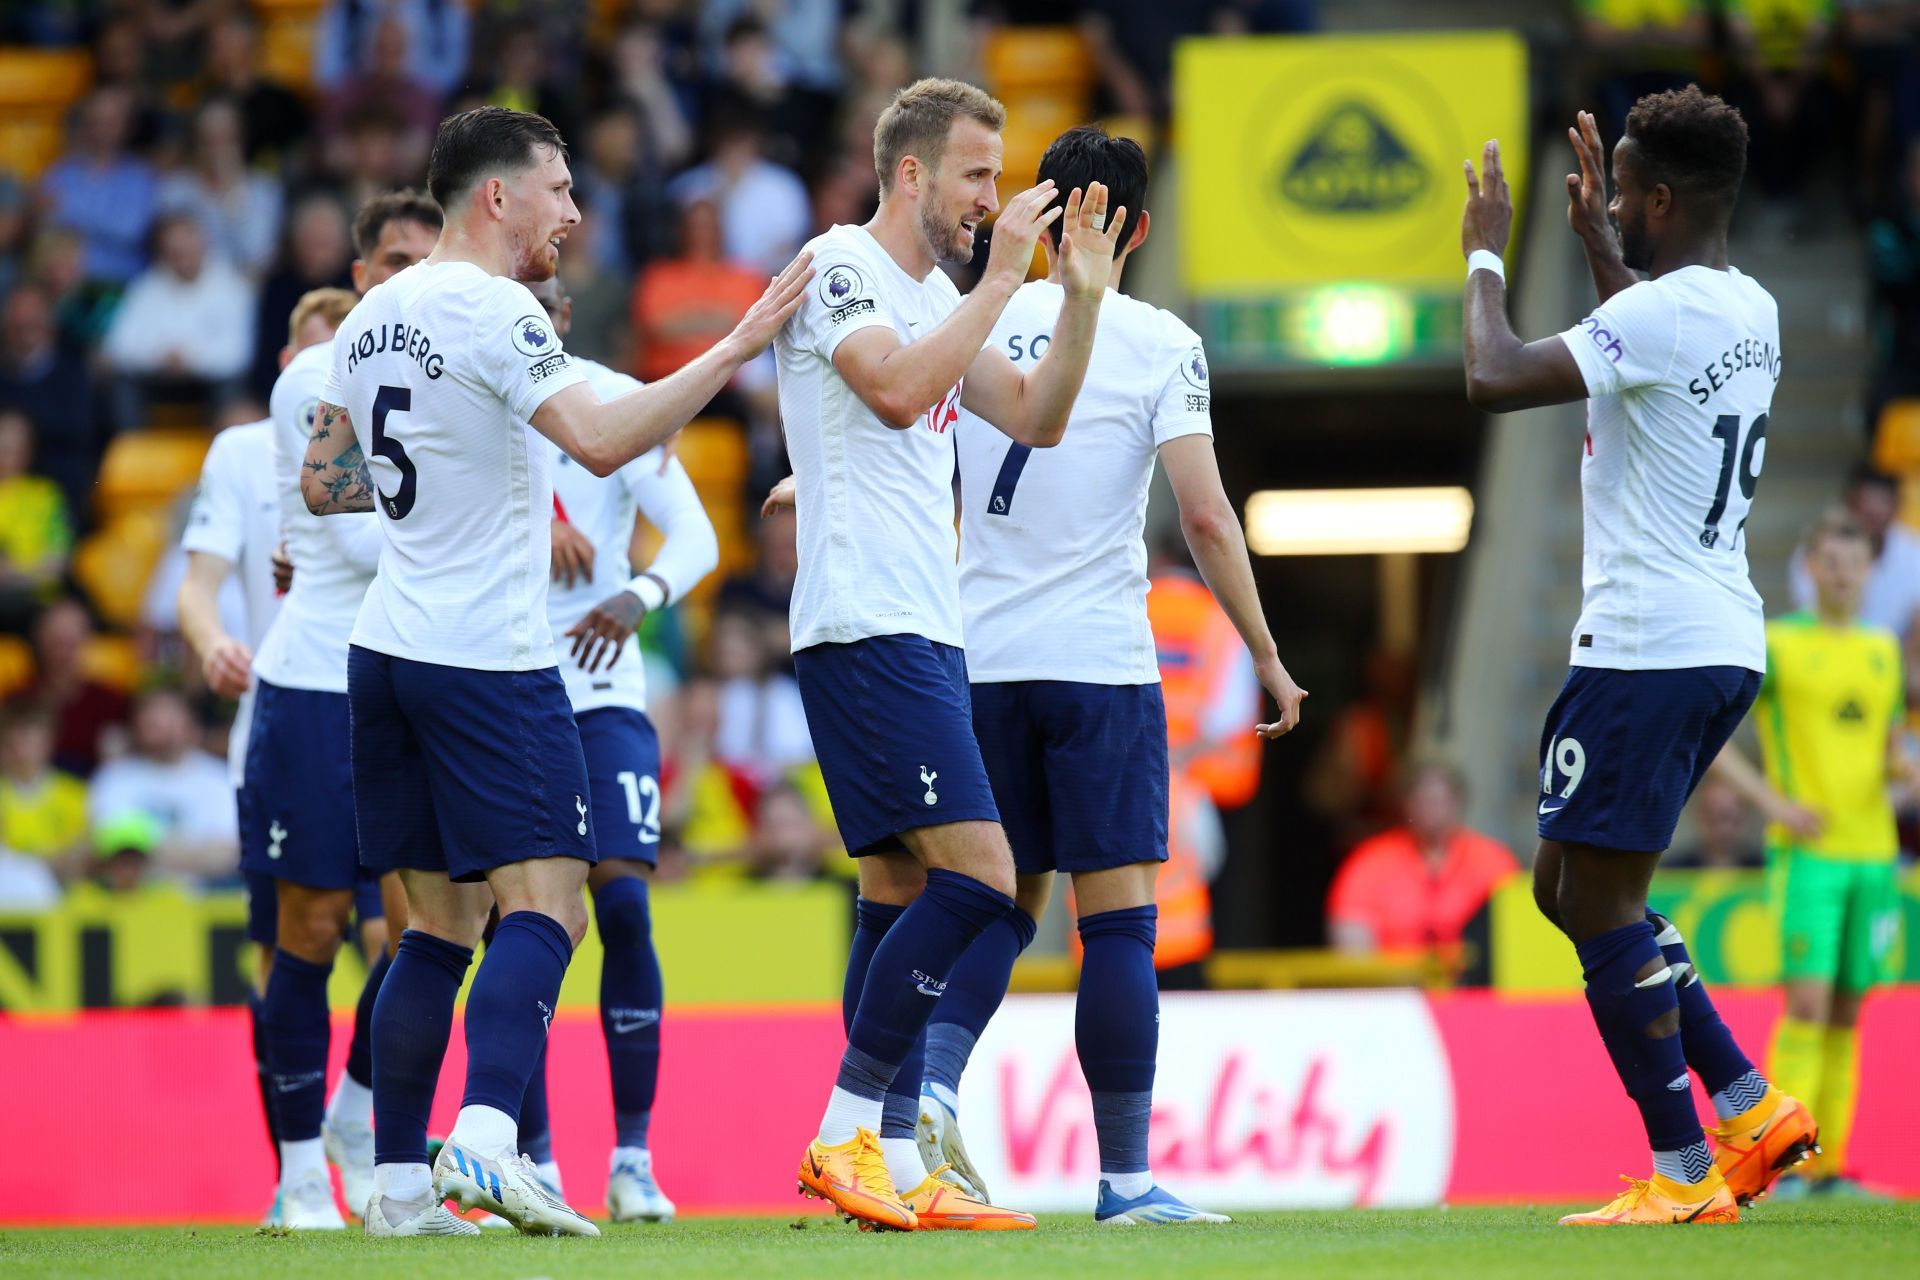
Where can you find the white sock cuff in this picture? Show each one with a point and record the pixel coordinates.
(487, 1130)
(403, 1181)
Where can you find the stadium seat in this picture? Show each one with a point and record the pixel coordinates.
(16, 665)
(112, 566)
(1896, 450)
(147, 469)
(37, 86)
(114, 661)
(1020, 58)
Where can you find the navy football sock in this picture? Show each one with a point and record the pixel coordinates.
(630, 1005)
(263, 1075)
(871, 920)
(1652, 1067)
(412, 1018)
(974, 992)
(1116, 1029)
(900, 1109)
(360, 1051)
(294, 1011)
(907, 974)
(510, 1007)
(1709, 1046)
(536, 1129)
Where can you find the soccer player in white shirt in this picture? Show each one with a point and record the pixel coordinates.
(597, 601)
(468, 776)
(1072, 730)
(235, 523)
(296, 827)
(872, 373)
(1678, 371)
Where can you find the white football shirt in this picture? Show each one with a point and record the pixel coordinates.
(236, 516)
(875, 504)
(333, 556)
(440, 368)
(603, 509)
(1053, 557)
(1680, 372)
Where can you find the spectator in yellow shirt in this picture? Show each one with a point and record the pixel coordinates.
(43, 812)
(35, 535)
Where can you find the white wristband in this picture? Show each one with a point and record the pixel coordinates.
(647, 587)
(1486, 260)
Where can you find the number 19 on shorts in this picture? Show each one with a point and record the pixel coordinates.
(1566, 759)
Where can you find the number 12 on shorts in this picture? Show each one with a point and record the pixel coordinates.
(1566, 758)
(643, 803)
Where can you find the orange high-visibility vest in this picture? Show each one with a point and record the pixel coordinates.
(1186, 904)
(1196, 643)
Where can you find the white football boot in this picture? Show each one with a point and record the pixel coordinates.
(509, 1187)
(351, 1152)
(306, 1203)
(938, 1134)
(632, 1194)
(419, 1218)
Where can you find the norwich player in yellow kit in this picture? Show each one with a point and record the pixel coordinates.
(1829, 718)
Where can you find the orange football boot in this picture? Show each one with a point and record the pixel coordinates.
(1763, 1142)
(1660, 1201)
(853, 1178)
(942, 1206)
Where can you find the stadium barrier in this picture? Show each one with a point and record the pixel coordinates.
(167, 946)
(1266, 1100)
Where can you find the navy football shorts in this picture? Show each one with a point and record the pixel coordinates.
(1622, 750)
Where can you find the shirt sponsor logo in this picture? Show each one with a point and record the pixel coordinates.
(545, 369)
(532, 338)
(1604, 338)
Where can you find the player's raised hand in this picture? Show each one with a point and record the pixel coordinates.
(228, 667)
(602, 634)
(781, 495)
(1287, 696)
(1587, 189)
(572, 554)
(1088, 240)
(1018, 228)
(1487, 222)
(785, 292)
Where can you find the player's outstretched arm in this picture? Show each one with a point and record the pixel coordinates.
(605, 437)
(1587, 211)
(900, 381)
(1033, 407)
(226, 663)
(334, 476)
(1220, 553)
(1740, 773)
(1504, 373)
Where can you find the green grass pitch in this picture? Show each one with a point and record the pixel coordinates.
(1797, 1240)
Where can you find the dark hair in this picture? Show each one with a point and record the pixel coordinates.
(1693, 142)
(1087, 154)
(1837, 523)
(486, 140)
(409, 205)
(1864, 475)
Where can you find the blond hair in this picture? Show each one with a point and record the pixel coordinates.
(332, 304)
(916, 123)
(1837, 522)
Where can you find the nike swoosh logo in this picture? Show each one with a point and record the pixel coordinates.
(813, 1164)
(1544, 811)
(1703, 1207)
(627, 1028)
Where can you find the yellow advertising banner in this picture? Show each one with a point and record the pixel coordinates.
(1306, 160)
(163, 946)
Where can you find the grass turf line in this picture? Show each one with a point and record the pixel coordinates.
(1793, 1240)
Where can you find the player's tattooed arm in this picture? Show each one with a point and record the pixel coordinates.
(334, 477)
